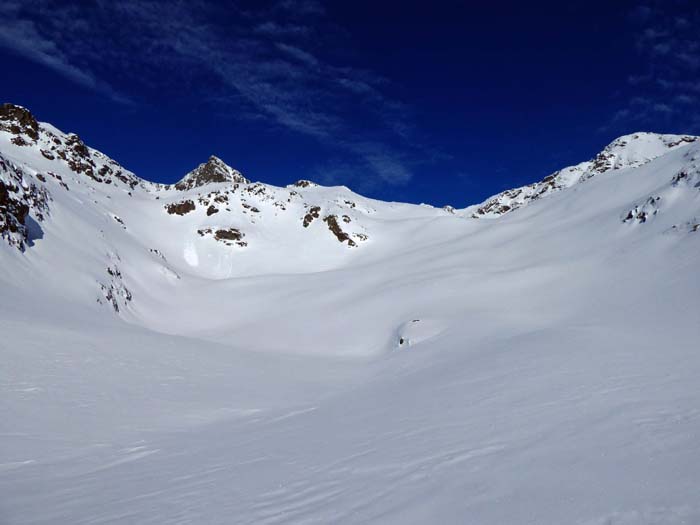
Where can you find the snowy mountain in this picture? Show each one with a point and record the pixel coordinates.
(227, 351)
(213, 222)
(629, 151)
(212, 171)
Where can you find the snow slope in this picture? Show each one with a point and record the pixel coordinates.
(629, 151)
(537, 368)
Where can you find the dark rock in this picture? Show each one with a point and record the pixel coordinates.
(333, 226)
(314, 213)
(13, 212)
(213, 171)
(180, 208)
(304, 184)
(18, 120)
(230, 234)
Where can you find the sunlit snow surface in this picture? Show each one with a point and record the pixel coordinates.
(541, 368)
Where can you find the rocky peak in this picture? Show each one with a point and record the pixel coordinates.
(628, 151)
(214, 170)
(303, 183)
(18, 121)
(633, 150)
(59, 147)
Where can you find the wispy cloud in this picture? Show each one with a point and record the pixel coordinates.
(23, 37)
(271, 63)
(664, 92)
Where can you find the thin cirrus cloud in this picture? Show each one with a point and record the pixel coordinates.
(265, 62)
(668, 86)
(22, 37)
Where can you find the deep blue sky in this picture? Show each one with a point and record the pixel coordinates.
(438, 102)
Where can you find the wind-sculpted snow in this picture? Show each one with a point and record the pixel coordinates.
(239, 360)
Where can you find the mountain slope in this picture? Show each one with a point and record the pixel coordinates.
(536, 368)
(629, 151)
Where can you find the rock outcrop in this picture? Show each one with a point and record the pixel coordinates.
(19, 200)
(213, 171)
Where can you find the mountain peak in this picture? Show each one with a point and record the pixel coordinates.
(627, 151)
(635, 149)
(18, 120)
(212, 171)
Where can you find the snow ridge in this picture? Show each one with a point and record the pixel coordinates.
(628, 151)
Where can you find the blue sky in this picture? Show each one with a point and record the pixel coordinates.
(438, 102)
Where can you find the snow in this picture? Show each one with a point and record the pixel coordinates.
(548, 371)
(628, 151)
